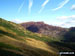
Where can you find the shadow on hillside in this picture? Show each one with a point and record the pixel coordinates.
(68, 42)
(61, 46)
(33, 28)
(70, 35)
(8, 53)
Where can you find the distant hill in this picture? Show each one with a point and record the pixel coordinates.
(45, 29)
(65, 34)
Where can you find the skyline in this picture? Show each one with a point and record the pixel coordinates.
(53, 12)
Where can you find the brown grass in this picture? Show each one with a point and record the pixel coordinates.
(39, 44)
(29, 47)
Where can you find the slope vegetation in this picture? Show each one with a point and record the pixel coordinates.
(17, 41)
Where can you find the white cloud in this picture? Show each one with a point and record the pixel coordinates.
(62, 17)
(68, 24)
(73, 16)
(58, 23)
(71, 22)
(21, 6)
(68, 21)
(66, 17)
(73, 7)
(17, 21)
(30, 5)
(61, 5)
(43, 5)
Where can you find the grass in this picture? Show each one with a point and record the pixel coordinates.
(10, 26)
(6, 49)
(24, 48)
(3, 45)
(10, 35)
(45, 39)
(20, 31)
(17, 41)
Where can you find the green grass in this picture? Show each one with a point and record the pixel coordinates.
(3, 45)
(45, 39)
(10, 26)
(10, 35)
(28, 50)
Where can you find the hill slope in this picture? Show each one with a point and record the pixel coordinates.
(16, 41)
(63, 38)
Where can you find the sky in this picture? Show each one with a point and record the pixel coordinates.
(53, 12)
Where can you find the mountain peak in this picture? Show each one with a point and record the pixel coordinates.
(42, 28)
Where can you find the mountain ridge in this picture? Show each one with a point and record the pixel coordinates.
(41, 27)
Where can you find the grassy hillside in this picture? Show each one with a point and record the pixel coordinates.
(17, 41)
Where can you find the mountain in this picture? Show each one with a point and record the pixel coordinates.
(15, 40)
(45, 29)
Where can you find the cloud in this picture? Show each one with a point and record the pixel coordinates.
(73, 17)
(73, 7)
(66, 17)
(68, 21)
(58, 23)
(61, 5)
(69, 24)
(62, 17)
(21, 6)
(62, 24)
(17, 21)
(43, 5)
(30, 5)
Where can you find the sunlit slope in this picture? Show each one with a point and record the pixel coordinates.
(16, 41)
